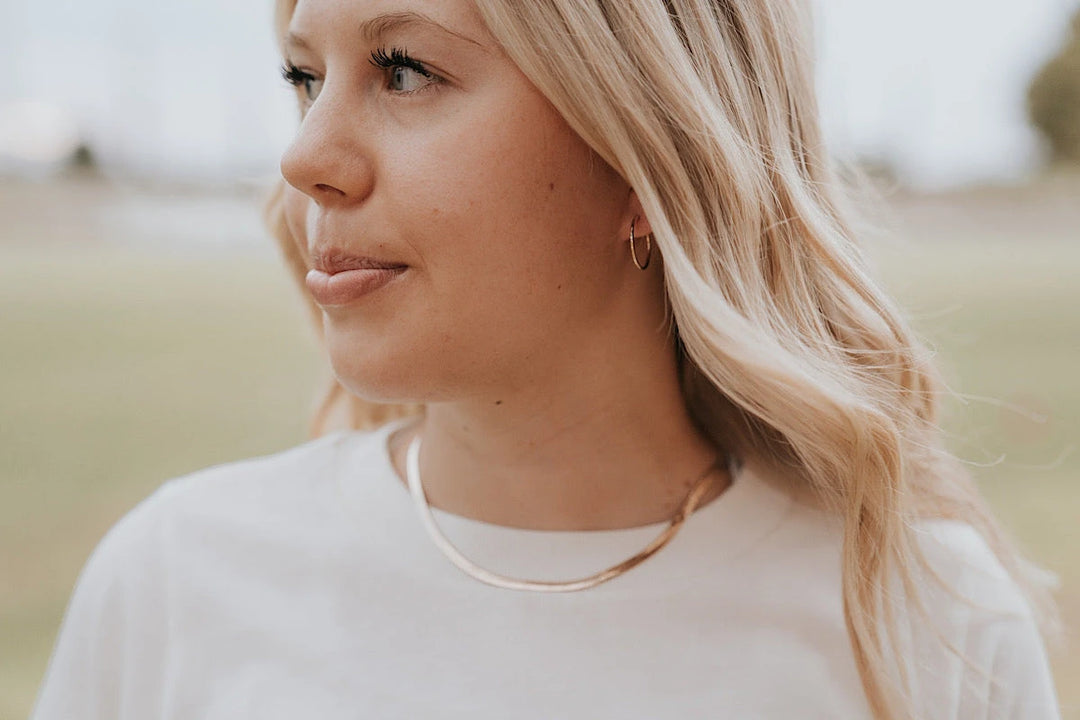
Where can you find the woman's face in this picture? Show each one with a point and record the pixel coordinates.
(424, 149)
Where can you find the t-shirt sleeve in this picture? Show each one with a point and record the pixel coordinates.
(111, 626)
(1024, 686)
(1000, 634)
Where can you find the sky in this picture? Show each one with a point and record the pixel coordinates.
(191, 90)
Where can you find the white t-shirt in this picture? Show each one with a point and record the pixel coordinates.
(304, 585)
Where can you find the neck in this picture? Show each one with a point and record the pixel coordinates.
(602, 453)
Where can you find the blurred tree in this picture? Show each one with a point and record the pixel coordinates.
(1054, 99)
(82, 163)
(84, 157)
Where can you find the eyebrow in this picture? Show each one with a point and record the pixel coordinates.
(375, 27)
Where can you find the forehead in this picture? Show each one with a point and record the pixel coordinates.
(369, 21)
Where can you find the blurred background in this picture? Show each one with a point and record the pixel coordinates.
(148, 329)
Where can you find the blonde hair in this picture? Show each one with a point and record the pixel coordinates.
(789, 349)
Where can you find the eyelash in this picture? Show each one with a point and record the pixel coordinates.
(379, 58)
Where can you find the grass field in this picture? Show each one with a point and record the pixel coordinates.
(123, 367)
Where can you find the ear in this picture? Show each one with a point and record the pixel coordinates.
(642, 227)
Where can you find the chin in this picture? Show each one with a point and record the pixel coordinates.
(389, 365)
(384, 393)
(375, 372)
(373, 380)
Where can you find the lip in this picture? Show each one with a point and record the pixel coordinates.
(339, 278)
(347, 286)
(331, 261)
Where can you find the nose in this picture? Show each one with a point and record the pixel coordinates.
(328, 159)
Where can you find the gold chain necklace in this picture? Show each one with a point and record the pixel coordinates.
(416, 488)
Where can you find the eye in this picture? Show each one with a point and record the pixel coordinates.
(298, 78)
(406, 76)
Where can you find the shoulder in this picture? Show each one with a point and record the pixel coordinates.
(973, 591)
(978, 607)
(118, 617)
(291, 489)
(959, 554)
(267, 473)
(954, 551)
(985, 613)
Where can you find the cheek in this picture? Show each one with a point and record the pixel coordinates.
(511, 222)
(515, 272)
(514, 196)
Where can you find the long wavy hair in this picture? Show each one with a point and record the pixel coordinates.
(789, 349)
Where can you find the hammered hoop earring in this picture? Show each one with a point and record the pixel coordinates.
(633, 247)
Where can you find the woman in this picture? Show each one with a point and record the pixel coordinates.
(643, 437)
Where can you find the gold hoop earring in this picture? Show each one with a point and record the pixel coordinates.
(633, 247)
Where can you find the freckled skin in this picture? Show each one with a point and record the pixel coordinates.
(447, 183)
(521, 322)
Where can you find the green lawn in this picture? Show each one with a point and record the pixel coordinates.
(123, 369)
